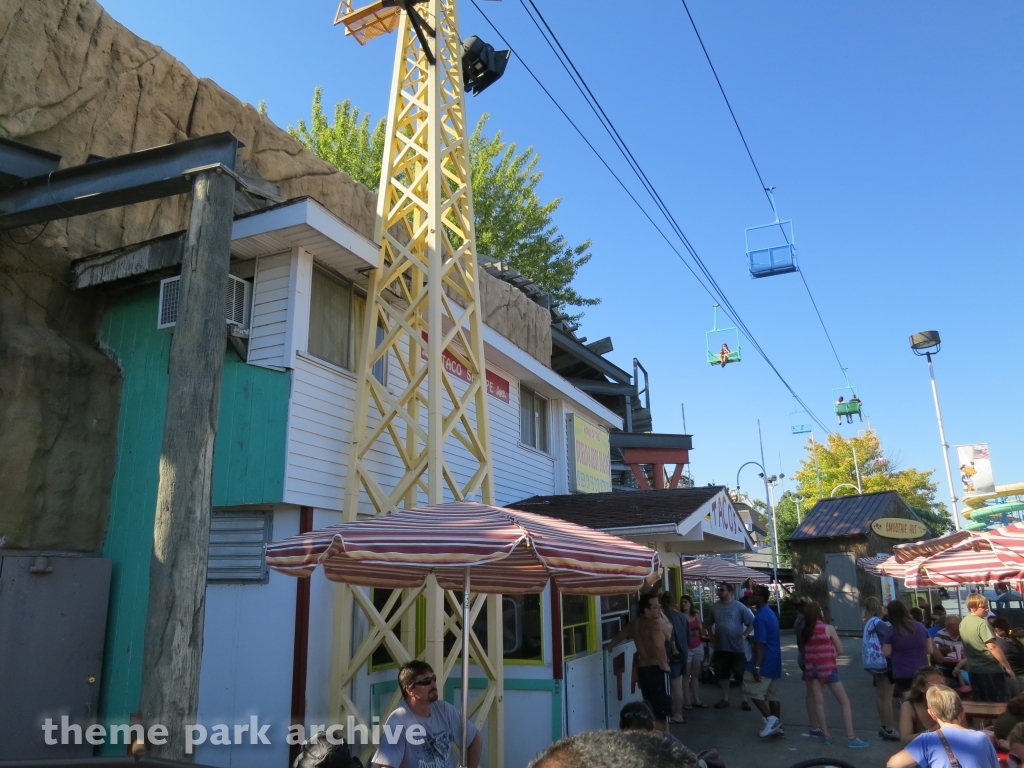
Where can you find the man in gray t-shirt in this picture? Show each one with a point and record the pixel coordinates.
(732, 622)
(420, 731)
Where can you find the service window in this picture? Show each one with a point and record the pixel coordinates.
(616, 611)
(523, 629)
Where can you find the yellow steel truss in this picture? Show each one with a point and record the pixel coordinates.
(423, 298)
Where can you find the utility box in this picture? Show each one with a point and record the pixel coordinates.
(53, 616)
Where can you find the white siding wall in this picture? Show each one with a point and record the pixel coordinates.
(319, 433)
(248, 641)
(271, 292)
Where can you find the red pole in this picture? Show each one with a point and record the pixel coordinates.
(300, 653)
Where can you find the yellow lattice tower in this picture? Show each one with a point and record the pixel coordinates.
(423, 298)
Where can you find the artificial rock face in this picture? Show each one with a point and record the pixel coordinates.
(75, 82)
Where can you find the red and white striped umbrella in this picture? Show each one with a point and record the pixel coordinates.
(996, 555)
(918, 549)
(508, 552)
(717, 569)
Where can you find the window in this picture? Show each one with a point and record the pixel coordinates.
(616, 611)
(533, 412)
(579, 635)
(523, 628)
(330, 319)
(238, 543)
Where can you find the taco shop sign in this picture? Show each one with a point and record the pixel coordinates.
(899, 528)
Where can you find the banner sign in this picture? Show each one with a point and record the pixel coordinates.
(975, 470)
(724, 519)
(453, 365)
(497, 386)
(889, 592)
(590, 468)
(899, 528)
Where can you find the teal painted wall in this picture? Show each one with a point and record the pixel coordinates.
(248, 468)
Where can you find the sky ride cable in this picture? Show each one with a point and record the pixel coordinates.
(760, 178)
(715, 291)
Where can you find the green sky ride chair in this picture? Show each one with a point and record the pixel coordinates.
(715, 340)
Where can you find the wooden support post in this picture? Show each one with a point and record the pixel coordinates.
(181, 533)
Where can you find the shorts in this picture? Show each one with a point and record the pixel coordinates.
(989, 686)
(654, 685)
(812, 674)
(902, 684)
(728, 663)
(766, 690)
(696, 653)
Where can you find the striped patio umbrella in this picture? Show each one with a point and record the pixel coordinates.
(873, 565)
(468, 546)
(996, 555)
(917, 549)
(717, 569)
(508, 551)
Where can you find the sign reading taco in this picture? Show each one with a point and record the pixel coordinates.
(899, 528)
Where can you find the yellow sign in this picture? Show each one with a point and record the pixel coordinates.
(590, 469)
(899, 528)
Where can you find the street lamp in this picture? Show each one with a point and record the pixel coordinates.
(769, 498)
(926, 344)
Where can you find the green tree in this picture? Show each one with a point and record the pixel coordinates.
(878, 472)
(513, 225)
(349, 144)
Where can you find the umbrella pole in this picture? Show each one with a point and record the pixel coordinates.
(465, 666)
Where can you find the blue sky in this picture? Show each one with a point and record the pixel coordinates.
(893, 134)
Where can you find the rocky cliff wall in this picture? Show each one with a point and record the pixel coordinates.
(75, 82)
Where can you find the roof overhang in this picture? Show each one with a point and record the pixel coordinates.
(306, 224)
(300, 223)
(713, 527)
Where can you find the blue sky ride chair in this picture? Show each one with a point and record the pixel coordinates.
(771, 248)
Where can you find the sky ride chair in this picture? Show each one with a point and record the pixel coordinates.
(771, 248)
(715, 346)
(851, 404)
(800, 422)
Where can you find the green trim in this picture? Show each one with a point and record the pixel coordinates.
(248, 468)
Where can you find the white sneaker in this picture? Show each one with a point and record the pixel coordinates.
(771, 724)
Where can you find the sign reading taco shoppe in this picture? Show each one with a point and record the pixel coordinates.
(899, 528)
(453, 365)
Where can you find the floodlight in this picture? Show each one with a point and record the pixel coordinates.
(481, 64)
(925, 342)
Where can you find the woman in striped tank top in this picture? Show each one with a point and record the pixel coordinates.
(821, 645)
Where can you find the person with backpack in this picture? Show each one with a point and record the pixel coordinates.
(951, 745)
(877, 666)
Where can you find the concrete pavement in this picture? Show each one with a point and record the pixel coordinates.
(733, 732)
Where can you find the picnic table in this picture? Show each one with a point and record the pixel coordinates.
(981, 713)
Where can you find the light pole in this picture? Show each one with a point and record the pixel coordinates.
(771, 514)
(856, 465)
(926, 344)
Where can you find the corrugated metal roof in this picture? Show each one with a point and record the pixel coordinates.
(621, 508)
(850, 515)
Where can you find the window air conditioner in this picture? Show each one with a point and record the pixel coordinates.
(236, 303)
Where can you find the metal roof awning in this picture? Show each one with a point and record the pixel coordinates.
(302, 223)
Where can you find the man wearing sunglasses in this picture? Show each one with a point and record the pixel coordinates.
(435, 725)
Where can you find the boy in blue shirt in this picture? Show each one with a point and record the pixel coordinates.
(764, 670)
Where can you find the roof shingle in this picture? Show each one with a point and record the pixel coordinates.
(619, 508)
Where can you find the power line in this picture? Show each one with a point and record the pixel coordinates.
(757, 170)
(579, 81)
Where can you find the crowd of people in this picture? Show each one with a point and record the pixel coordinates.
(921, 662)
